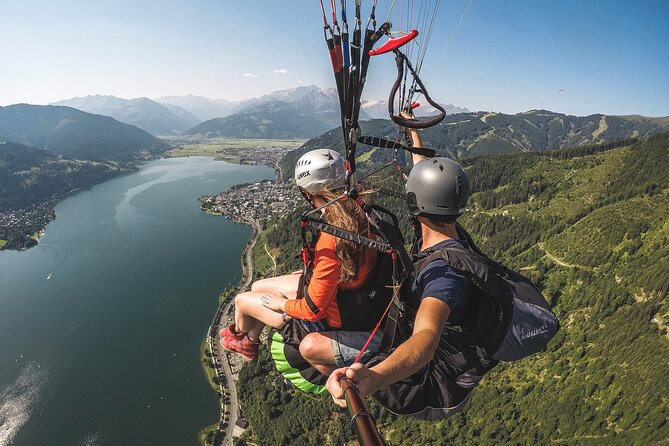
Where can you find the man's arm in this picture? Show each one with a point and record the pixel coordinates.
(414, 137)
(406, 360)
(416, 141)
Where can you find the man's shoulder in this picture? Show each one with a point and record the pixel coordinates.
(436, 269)
(432, 264)
(434, 255)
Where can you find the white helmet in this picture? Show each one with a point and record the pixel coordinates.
(318, 169)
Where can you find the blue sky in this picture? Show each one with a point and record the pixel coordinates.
(576, 57)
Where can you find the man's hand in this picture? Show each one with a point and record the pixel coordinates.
(361, 376)
(407, 359)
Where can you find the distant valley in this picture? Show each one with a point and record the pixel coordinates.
(303, 112)
(309, 112)
(50, 151)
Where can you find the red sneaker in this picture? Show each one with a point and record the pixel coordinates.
(244, 347)
(231, 331)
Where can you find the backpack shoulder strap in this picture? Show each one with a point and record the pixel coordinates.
(485, 274)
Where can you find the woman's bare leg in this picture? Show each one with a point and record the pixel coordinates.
(286, 285)
(251, 316)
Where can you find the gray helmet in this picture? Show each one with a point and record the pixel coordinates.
(437, 186)
(320, 168)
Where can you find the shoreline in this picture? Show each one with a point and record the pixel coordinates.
(227, 392)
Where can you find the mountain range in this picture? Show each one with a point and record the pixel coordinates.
(156, 119)
(302, 112)
(201, 107)
(379, 109)
(298, 113)
(308, 111)
(467, 135)
(72, 132)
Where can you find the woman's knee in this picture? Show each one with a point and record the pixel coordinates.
(261, 285)
(241, 300)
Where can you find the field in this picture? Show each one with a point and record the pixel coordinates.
(231, 150)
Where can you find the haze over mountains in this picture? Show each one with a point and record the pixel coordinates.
(203, 108)
(144, 113)
(68, 131)
(308, 112)
(302, 112)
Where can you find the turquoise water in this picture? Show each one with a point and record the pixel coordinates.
(101, 323)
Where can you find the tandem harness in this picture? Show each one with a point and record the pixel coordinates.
(359, 309)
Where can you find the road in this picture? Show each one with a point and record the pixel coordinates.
(227, 366)
(273, 259)
(560, 262)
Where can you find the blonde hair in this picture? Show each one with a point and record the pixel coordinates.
(346, 214)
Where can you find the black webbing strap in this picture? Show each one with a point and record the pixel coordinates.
(313, 224)
(384, 143)
(398, 309)
(389, 232)
(347, 235)
(310, 303)
(353, 91)
(371, 37)
(390, 327)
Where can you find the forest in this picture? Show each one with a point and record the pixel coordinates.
(590, 226)
(33, 180)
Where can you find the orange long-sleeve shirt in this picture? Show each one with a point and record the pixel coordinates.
(325, 283)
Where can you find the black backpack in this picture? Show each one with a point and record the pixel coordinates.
(522, 323)
(506, 319)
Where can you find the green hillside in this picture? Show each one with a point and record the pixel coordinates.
(592, 230)
(279, 122)
(32, 180)
(468, 135)
(71, 132)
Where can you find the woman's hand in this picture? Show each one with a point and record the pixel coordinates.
(275, 301)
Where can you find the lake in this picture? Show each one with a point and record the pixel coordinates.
(101, 323)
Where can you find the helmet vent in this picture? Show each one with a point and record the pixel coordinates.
(441, 167)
